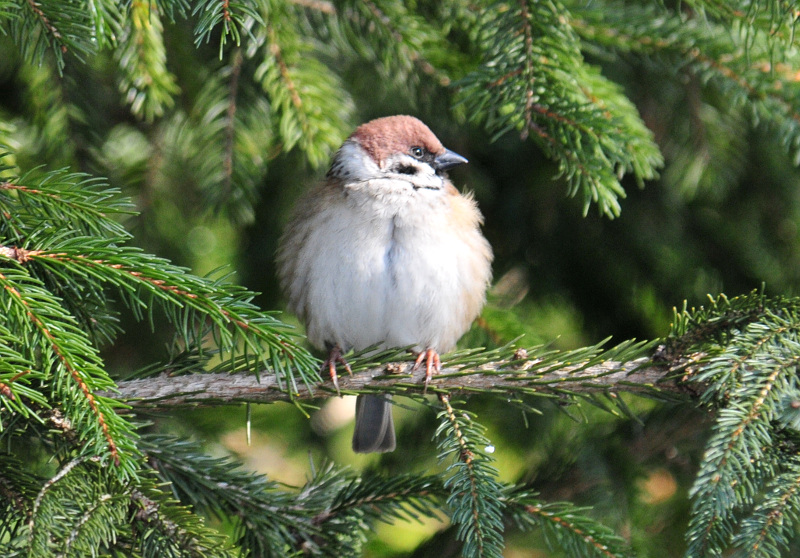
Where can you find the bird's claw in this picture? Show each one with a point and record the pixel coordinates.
(432, 363)
(335, 356)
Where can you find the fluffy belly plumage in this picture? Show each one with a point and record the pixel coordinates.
(385, 292)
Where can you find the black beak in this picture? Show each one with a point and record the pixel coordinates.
(447, 160)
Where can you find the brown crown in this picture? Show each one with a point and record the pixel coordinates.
(395, 134)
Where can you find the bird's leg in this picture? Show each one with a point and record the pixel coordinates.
(432, 362)
(334, 356)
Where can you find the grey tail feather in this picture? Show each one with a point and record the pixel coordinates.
(374, 424)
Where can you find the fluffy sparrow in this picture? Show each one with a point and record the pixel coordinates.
(385, 251)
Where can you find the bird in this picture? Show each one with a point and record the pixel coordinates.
(385, 252)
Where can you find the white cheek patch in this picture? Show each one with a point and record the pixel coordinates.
(353, 163)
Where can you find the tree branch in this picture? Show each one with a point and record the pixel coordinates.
(641, 375)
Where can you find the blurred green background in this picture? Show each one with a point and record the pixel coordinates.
(723, 217)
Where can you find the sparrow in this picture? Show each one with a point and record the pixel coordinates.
(385, 252)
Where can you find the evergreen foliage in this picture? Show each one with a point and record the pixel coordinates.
(750, 375)
(476, 497)
(533, 78)
(207, 113)
(565, 526)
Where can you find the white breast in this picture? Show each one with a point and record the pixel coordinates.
(389, 269)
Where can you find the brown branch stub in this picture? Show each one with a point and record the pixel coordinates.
(19, 188)
(5, 388)
(20, 255)
(45, 21)
(638, 376)
(226, 10)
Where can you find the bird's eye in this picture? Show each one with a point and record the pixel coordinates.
(417, 152)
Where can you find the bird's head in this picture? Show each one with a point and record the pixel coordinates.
(395, 147)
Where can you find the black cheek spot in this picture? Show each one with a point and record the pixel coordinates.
(405, 169)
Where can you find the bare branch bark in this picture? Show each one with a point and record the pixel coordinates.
(639, 375)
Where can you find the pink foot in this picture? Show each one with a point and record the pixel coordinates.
(432, 362)
(335, 356)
